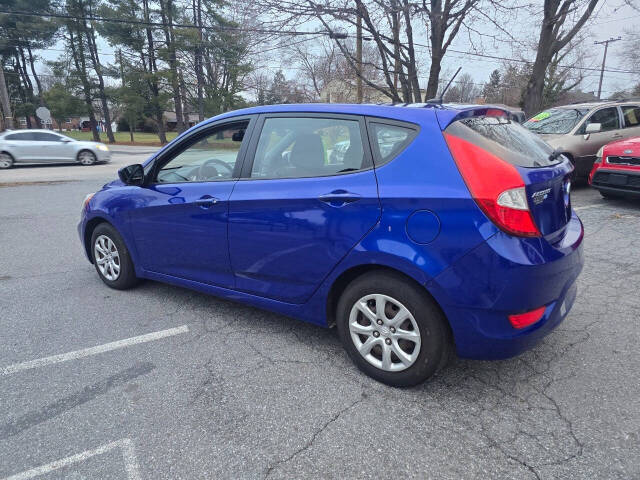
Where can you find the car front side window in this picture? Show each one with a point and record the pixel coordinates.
(212, 157)
(297, 147)
(607, 118)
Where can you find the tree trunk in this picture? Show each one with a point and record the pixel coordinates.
(81, 67)
(4, 99)
(434, 77)
(167, 25)
(153, 81)
(198, 52)
(35, 76)
(95, 59)
(22, 63)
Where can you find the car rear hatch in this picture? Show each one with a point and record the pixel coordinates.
(514, 176)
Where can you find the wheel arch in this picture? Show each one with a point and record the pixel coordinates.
(85, 149)
(349, 275)
(88, 232)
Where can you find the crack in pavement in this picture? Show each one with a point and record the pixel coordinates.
(311, 441)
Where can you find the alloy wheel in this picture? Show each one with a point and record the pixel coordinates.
(5, 160)
(86, 158)
(384, 332)
(107, 257)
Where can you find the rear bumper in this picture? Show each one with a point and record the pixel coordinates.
(508, 275)
(623, 182)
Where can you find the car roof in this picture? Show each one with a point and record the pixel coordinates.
(410, 112)
(29, 130)
(596, 104)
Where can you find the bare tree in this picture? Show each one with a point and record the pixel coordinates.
(445, 20)
(562, 20)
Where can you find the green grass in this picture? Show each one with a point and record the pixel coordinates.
(123, 137)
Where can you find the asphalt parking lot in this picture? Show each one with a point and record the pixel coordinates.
(162, 382)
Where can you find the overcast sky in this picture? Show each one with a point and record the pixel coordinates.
(612, 18)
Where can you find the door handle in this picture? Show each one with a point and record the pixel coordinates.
(206, 201)
(339, 198)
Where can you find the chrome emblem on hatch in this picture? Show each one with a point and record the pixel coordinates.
(540, 196)
(628, 151)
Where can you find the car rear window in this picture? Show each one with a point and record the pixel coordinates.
(506, 139)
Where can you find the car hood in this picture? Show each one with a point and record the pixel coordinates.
(88, 144)
(552, 139)
(629, 147)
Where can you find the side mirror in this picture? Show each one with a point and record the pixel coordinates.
(593, 127)
(132, 175)
(66, 140)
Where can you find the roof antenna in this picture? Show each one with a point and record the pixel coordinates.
(438, 100)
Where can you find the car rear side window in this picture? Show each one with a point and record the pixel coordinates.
(297, 147)
(19, 136)
(389, 140)
(631, 114)
(505, 139)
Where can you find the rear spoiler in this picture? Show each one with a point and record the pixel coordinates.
(446, 116)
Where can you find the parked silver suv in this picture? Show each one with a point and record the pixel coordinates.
(579, 130)
(46, 146)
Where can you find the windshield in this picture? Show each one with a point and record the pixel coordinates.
(557, 120)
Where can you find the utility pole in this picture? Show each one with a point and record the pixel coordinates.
(604, 59)
(358, 52)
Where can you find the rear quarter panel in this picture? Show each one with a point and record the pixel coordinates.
(424, 177)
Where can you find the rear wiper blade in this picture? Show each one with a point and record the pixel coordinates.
(554, 155)
(347, 170)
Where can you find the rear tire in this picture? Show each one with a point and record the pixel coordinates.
(86, 157)
(111, 258)
(404, 343)
(6, 160)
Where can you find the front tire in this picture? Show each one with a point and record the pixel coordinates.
(111, 258)
(6, 160)
(392, 330)
(86, 157)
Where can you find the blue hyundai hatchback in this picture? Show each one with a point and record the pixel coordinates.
(415, 230)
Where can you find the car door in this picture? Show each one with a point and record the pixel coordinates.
(179, 222)
(631, 120)
(610, 130)
(22, 146)
(298, 209)
(51, 148)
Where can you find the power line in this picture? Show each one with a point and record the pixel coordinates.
(295, 33)
(161, 25)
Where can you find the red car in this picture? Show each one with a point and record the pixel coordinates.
(616, 171)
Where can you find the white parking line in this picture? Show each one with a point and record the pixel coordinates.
(128, 454)
(86, 352)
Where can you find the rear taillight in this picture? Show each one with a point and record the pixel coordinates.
(495, 185)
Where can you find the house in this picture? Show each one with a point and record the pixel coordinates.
(341, 90)
(170, 119)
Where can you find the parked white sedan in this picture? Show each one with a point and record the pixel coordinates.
(46, 146)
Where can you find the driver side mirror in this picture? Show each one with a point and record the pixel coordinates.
(593, 128)
(132, 174)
